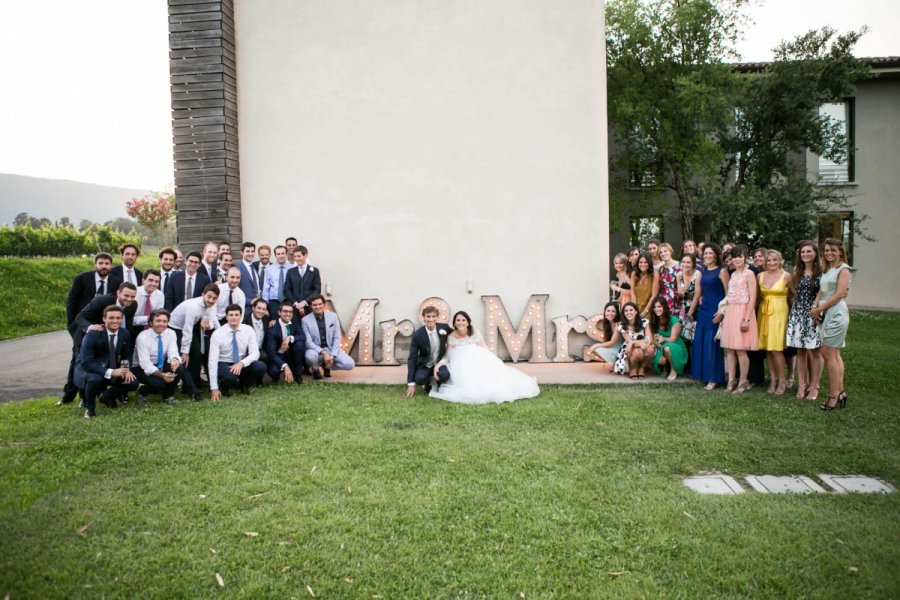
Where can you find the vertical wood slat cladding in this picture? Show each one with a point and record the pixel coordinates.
(204, 121)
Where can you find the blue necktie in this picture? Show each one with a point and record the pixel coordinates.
(281, 285)
(159, 353)
(235, 353)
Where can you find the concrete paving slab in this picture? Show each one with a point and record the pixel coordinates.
(721, 485)
(790, 484)
(860, 484)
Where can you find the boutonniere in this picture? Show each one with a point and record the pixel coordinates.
(331, 325)
(442, 332)
(311, 269)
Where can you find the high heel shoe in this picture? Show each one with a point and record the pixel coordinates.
(828, 405)
(741, 388)
(731, 385)
(710, 386)
(842, 399)
(801, 391)
(812, 393)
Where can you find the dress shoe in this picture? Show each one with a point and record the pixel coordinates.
(327, 374)
(226, 392)
(196, 397)
(317, 375)
(64, 400)
(142, 400)
(169, 400)
(427, 388)
(90, 414)
(245, 390)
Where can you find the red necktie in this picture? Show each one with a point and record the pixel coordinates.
(147, 309)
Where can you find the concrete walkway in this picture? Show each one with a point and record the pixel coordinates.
(35, 366)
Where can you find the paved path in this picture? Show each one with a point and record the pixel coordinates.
(35, 366)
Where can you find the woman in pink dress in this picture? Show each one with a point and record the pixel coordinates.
(739, 332)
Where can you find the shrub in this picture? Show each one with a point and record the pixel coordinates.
(54, 240)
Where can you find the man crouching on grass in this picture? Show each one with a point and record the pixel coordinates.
(233, 356)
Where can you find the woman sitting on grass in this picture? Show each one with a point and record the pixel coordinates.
(671, 352)
(637, 351)
(608, 348)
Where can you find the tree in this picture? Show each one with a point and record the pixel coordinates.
(691, 123)
(156, 212)
(21, 219)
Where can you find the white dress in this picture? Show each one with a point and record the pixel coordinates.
(479, 377)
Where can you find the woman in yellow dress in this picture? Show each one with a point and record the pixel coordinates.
(772, 318)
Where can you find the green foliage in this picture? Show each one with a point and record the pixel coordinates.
(34, 291)
(53, 240)
(727, 143)
(355, 491)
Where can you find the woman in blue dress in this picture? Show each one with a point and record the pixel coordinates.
(707, 362)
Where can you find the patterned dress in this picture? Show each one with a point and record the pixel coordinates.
(668, 277)
(801, 329)
(688, 325)
(621, 366)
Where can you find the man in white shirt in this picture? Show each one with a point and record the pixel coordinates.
(258, 319)
(230, 292)
(158, 363)
(191, 320)
(233, 356)
(276, 276)
(148, 299)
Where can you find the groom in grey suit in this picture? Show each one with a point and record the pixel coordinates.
(323, 340)
(426, 349)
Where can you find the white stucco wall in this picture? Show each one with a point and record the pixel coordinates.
(415, 145)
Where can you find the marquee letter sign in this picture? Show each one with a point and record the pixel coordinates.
(532, 322)
(580, 325)
(389, 331)
(362, 327)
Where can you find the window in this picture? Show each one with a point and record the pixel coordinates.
(838, 225)
(645, 228)
(843, 116)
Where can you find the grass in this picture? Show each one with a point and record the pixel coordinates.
(34, 291)
(357, 492)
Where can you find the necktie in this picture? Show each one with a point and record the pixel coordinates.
(281, 285)
(230, 296)
(130, 276)
(287, 329)
(262, 275)
(165, 280)
(160, 359)
(432, 335)
(190, 288)
(102, 289)
(147, 309)
(112, 352)
(253, 278)
(235, 353)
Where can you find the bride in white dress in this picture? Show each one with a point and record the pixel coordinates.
(477, 376)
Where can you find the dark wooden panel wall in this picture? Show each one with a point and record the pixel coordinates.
(204, 121)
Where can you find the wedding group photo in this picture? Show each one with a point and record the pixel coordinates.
(418, 299)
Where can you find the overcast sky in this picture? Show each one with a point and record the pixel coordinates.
(86, 83)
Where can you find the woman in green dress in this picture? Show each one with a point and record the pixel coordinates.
(671, 353)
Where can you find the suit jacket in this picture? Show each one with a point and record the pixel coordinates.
(118, 272)
(262, 278)
(299, 290)
(83, 291)
(94, 357)
(332, 341)
(203, 275)
(420, 349)
(174, 291)
(250, 291)
(92, 314)
(274, 339)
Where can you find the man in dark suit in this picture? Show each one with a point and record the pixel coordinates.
(209, 265)
(98, 370)
(264, 254)
(249, 275)
(285, 346)
(302, 282)
(126, 271)
(84, 288)
(426, 349)
(180, 282)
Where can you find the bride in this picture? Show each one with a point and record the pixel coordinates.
(476, 375)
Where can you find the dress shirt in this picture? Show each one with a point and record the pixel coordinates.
(128, 274)
(260, 330)
(164, 278)
(209, 270)
(189, 313)
(273, 276)
(222, 303)
(146, 347)
(105, 281)
(435, 342)
(157, 300)
(220, 350)
(109, 338)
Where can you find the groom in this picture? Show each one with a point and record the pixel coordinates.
(426, 348)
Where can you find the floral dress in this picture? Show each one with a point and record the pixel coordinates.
(621, 366)
(802, 331)
(668, 277)
(688, 325)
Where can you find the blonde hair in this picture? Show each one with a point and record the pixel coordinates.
(666, 245)
(777, 256)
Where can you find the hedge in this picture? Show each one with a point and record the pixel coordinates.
(54, 240)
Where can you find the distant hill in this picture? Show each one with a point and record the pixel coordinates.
(57, 198)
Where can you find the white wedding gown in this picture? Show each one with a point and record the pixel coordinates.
(479, 377)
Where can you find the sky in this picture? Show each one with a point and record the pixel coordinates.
(86, 83)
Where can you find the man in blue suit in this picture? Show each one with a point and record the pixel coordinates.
(249, 276)
(98, 370)
(426, 349)
(286, 346)
(181, 281)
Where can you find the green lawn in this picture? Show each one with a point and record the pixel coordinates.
(34, 291)
(358, 492)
